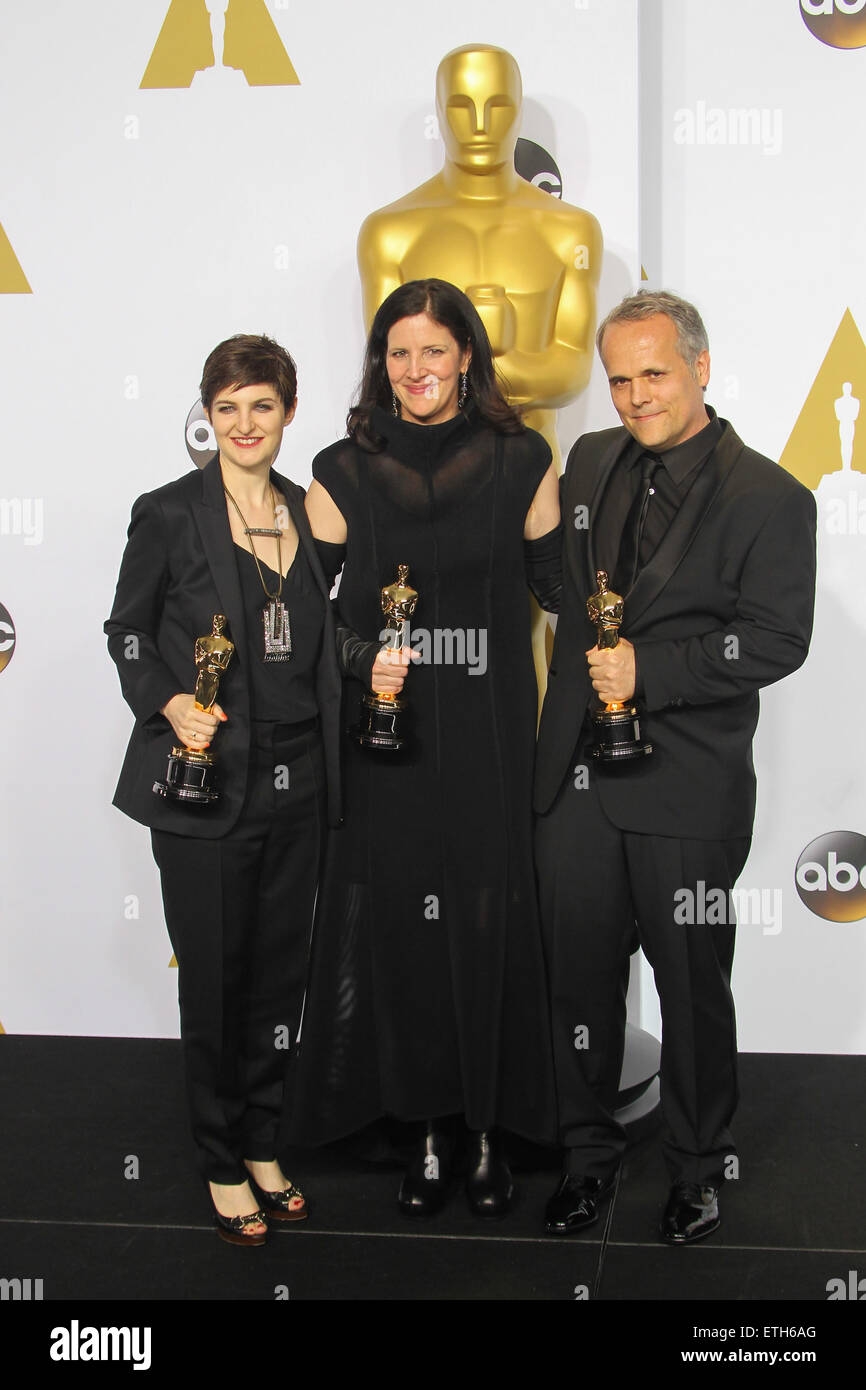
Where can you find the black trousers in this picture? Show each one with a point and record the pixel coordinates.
(239, 913)
(596, 883)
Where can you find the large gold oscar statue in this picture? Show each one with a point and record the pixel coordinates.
(529, 263)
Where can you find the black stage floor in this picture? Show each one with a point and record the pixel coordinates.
(78, 1111)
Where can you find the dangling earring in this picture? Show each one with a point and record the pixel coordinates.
(463, 390)
(395, 404)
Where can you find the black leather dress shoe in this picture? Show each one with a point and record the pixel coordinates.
(692, 1212)
(427, 1180)
(574, 1205)
(489, 1188)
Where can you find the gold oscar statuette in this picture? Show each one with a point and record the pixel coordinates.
(190, 777)
(382, 723)
(617, 726)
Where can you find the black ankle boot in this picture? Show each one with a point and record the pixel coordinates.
(427, 1179)
(488, 1178)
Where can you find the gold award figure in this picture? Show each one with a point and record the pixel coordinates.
(379, 727)
(398, 604)
(529, 263)
(212, 656)
(190, 776)
(605, 609)
(617, 727)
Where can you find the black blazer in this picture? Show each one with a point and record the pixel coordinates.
(179, 569)
(723, 607)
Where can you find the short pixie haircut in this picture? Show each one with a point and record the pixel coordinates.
(245, 360)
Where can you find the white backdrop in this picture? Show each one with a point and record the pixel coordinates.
(151, 223)
(763, 223)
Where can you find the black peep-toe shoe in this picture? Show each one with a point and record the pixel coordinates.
(276, 1204)
(234, 1229)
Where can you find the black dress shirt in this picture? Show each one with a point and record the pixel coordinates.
(671, 480)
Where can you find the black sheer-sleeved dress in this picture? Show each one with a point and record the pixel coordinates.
(427, 992)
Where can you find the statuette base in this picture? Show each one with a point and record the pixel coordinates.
(190, 778)
(380, 726)
(618, 736)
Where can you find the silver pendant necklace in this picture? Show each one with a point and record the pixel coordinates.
(275, 615)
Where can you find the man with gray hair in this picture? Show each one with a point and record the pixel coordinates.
(712, 547)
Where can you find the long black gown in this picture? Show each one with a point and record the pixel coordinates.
(427, 991)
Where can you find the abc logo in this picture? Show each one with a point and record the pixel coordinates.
(839, 23)
(534, 164)
(7, 637)
(831, 876)
(200, 439)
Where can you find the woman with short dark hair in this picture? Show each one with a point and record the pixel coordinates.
(427, 996)
(220, 576)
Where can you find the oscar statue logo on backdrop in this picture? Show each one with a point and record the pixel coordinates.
(12, 277)
(826, 440)
(838, 23)
(219, 44)
(831, 876)
(827, 452)
(7, 637)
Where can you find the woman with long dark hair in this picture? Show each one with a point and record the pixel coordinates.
(427, 996)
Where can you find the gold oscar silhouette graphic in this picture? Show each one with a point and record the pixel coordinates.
(12, 277)
(219, 43)
(825, 438)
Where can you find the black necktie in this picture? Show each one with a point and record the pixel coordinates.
(628, 560)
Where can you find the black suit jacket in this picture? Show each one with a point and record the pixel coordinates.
(723, 607)
(179, 569)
